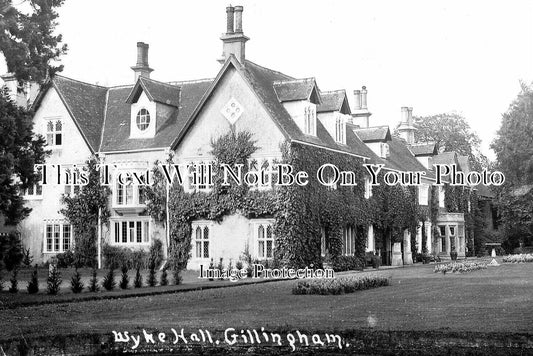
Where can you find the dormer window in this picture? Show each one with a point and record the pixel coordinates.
(340, 130)
(310, 120)
(385, 150)
(143, 119)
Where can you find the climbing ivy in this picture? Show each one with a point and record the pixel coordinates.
(302, 214)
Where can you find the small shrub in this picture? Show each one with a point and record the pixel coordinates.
(54, 280)
(33, 284)
(14, 283)
(239, 265)
(519, 258)
(115, 257)
(347, 263)
(220, 267)
(177, 276)
(156, 253)
(151, 276)
(109, 280)
(342, 285)
(76, 285)
(138, 281)
(11, 251)
(211, 267)
(125, 280)
(93, 284)
(65, 259)
(139, 259)
(460, 267)
(27, 258)
(163, 281)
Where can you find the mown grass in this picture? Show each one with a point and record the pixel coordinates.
(497, 299)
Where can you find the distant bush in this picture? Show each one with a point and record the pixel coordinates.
(163, 281)
(125, 280)
(460, 267)
(109, 280)
(93, 284)
(116, 257)
(528, 257)
(340, 285)
(33, 284)
(151, 281)
(65, 259)
(76, 285)
(14, 282)
(138, 281)
(54, 281)
(27, 258)
(11, 251)
(347, 263)
(156, 253)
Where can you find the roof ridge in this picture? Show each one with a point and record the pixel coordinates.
(79, 81)
(332, 91)
(300, 80)
(158, 82)
(124, 86)
(271, 70)
(191, 81)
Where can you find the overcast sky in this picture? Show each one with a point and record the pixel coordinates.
(436, 56)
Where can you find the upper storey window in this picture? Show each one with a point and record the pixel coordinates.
(310, 120)
(54, 132)
(340, 130)
(143, 119)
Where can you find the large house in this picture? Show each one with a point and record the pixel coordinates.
(133, 125)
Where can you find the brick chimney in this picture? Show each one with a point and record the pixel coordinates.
(142, 69)
(406, 128)
(360, 113)
(234, 40)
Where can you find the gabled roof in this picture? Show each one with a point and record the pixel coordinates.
(424, 149)
(85, 104)
(374, 134)
(335, 100)
(297, 89)
(116, 134)
(160, 92)
(262, 81)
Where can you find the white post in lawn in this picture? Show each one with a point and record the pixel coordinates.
(99, 242)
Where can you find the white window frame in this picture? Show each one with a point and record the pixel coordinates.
(131, 233)
(36, 191)
(340, 129)
(143, 122)
(54, 132)
(205, 188)
(61, 228)
(310, 120)
(423, 194)
(262, 240)
(203, 225)
(263, 163)
(368, 188)
(441, 196)
(135, 190)
(348, 240)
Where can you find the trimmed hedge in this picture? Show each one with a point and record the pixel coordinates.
(340, 285)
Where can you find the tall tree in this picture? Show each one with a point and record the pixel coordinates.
(28, 41)
(514, 157)
(451, 132)
(19, 151)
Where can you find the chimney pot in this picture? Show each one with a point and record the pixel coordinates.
(142, 69)
(363, 98)
(229, 19)
(357, 96)
(238, 19)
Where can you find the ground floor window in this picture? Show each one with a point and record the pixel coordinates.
(264, 235)
(131, 231)
(200, 234)
(58, 237)
(348, 241)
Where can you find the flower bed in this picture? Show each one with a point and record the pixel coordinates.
(340, 285)
(526, 257)
(460, 267)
